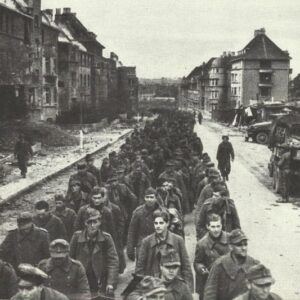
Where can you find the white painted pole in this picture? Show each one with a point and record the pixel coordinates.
(81, 139)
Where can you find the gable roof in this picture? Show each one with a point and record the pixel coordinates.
(18, 6)
(200, 70)
(261, 47)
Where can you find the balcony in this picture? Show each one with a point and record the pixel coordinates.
(265, 70)
(265, 84)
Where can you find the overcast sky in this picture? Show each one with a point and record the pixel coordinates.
(167, 38)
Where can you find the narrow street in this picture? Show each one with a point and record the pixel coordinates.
(273, 229)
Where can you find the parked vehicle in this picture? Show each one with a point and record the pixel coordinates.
(259, 132)
(285, 138)
(259, 127)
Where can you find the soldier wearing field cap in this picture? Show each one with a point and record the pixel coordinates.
(96, 251)
(227, 277)
(87, 179)
(177, 288)
(141, 224)
(31, 285)
(259, 282)
(25, 244)
(148, 288)
(65, 214)
(65, 274)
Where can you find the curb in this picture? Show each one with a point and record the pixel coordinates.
(56, 173)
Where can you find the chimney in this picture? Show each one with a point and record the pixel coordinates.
(261, 31)
(58, 11)
(67, 10)
(49, 12)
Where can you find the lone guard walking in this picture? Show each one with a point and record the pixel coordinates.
(224, 154)
(200, 117)
(23, 152)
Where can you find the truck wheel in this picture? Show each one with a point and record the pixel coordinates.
(262, 138)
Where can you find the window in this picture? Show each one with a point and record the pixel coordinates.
(88, 81)
(73, 79)
(234, 91)
(61, 84)
(48, 65)
(73, 54)
(214, 94)
(265, 64)
(81, 80)
(84, 80)
(265, 78)
(48, 95)
(36, 21)
(234, 77)
(265, 91)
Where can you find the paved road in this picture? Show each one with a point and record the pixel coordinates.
(273, 229)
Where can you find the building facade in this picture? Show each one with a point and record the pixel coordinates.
(256, 74)
(260, 72)
(52, 65)
(127, 90)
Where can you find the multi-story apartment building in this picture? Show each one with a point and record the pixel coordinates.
(260, 72)
(53, 65)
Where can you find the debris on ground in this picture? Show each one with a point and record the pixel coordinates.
(45, 133)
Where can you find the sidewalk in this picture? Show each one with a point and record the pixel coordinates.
(56, 161)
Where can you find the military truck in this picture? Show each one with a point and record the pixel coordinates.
(284, 165)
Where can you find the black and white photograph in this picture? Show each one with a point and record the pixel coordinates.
(149, 150)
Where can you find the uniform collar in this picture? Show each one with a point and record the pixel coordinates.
(66, 266)
(169, 240)
(223, 240)
(83, 237)
(232, 268)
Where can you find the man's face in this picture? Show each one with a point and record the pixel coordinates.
(90, 162)
(29, 292)
(75, 188)
(165, 186)
(150, 200)
(98, 199)
(137, 171)
(157, 296)
(42, 213)
(92, 226)
(160, 225)
(59, 204)
(240, 249)
(25, 228)
(58, 261)
(114, 183)
(260, 292)
(169, 272)
(214, 228)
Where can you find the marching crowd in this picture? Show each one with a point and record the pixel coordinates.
(134, 205)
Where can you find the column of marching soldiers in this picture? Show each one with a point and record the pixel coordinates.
(75, 247)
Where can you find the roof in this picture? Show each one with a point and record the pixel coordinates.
(66, 36)
(261, 47)
(19, 6)
(84, 35)
(47, 20)
(200, 70)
